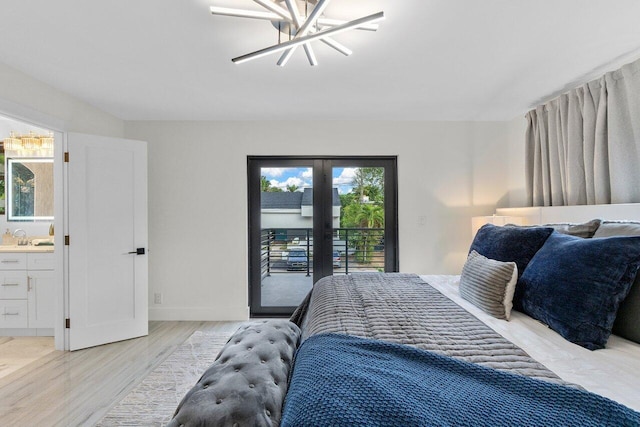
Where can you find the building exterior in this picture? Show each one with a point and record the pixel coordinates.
(292, 213)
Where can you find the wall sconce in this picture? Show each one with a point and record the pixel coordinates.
(479, 221)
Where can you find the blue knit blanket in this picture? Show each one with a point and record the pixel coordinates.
(340, 380)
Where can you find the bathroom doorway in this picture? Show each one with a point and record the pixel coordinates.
(31, 293)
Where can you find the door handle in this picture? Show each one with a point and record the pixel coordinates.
(138, 251)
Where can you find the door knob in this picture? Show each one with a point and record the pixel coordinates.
(138, 251)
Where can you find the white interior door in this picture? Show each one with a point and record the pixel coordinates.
(107, 228)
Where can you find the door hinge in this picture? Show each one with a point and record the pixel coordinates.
(66, 157)
(67, 323)
(66, 240)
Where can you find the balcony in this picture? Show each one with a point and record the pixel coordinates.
(287, 259)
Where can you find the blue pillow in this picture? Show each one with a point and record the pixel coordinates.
(511, 244)
(576, 285)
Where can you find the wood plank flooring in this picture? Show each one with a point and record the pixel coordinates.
(18, 352)
(78, 388)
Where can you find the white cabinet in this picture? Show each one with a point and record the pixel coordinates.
(13, 313)
(27, 297)
(13, 285)
(41, 298)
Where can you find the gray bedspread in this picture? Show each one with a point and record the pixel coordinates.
(403, 309)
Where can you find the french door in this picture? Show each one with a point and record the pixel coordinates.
(312, 217)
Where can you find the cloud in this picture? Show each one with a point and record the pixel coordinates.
(292, 180)
(272, 172)
(346, 177)
(344, 182)
(307, 174)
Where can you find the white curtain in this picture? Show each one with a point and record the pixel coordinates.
(583, 147)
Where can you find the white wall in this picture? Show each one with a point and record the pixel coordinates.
(27, 99)
(291, 218)
(447, 172)
(24, 97)
(307, 211)
(294, 218)
(40, 106)
(516, 129)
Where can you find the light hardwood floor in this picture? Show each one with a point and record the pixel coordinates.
(18, 352)
(78, 388)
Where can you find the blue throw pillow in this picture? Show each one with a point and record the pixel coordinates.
(576, 285)
(511, 244)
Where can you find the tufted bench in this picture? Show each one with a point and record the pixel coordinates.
(247, 383)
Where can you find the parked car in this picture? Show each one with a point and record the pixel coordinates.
(336, 260)
(297, 259)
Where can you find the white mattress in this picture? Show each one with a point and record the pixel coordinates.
(613, 372)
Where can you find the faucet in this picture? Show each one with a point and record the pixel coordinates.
(21, 236)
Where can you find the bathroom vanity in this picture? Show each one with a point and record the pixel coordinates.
(27, 297)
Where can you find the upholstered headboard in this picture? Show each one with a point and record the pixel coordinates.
(556, 214)
(628, 318)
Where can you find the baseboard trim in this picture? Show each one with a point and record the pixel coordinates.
(26, 332)
(199, 313)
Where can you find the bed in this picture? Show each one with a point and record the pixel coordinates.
(403, 349)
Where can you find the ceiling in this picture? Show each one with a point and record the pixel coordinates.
(429, 60)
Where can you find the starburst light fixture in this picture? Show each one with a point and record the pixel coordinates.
(302, 25)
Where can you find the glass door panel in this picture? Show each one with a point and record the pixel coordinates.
(359, 227)
(286, 235)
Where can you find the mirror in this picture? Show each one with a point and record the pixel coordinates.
(2, 204)
(29, 189)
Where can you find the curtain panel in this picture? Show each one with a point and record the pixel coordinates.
(583, 147)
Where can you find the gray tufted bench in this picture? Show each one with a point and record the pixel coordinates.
(247, 383)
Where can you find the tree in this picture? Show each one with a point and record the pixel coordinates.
(266, 187)
(369, 182)
(366, 182)
(264, 184)
(364, 213)
(364, 217)
(292, 188)
(370, 216)
(345, 201)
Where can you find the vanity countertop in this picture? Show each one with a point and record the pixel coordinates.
(26, 248)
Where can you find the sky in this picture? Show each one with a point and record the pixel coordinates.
(302, 177)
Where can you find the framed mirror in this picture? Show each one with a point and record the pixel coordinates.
(29, 187)
(2, 204)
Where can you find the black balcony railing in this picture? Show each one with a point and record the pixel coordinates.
(286, 250)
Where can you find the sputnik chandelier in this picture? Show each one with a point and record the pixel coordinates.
(301, 22)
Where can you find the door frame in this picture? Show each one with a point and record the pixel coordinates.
(322, 208)
(61, 214)
(59, 127)
(42, 120)
(254, 165)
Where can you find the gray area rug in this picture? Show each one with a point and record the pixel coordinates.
(153, 401)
